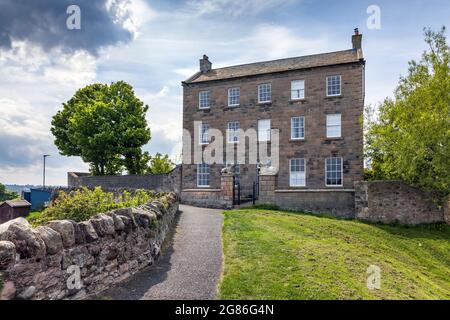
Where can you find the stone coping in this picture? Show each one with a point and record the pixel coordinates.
(314, 190)
(200, 190)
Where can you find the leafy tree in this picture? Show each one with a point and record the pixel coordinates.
(7, 195)
(410, 140)
(160, 164)
(106, 126)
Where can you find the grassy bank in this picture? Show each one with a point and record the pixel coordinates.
(273, 254)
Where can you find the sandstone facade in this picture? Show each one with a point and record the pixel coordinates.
(314, 107)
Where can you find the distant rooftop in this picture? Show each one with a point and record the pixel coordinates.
(16, 203)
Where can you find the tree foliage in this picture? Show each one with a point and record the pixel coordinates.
(7, 195)
(106, 126)
(410, 140)
(82, 204)
(160, 164)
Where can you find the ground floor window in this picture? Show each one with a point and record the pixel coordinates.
(203, 175)
(297, 173)
(333, 171)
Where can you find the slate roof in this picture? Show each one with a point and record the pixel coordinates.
(16, 203)
(280, 65)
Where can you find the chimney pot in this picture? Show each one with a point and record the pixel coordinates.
(205, 64)
(357, 40)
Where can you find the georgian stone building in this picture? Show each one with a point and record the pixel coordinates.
(316, 103)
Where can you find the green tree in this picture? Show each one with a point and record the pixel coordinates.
(7, 195)
(160, 164)
(105, 126)
(410, 140)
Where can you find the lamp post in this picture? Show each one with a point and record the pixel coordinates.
(43, 180)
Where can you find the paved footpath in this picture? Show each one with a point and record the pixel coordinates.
(190, 264)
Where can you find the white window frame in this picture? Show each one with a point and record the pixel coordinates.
(340, 86)
(203, 175)
(233, 132)
(341, 172)
(301, 128)
(203, 99)
(234, 93)
(267, 135)
(301, 163)
(268, 91)
(203, 133)
(298, 93)
(330, 125)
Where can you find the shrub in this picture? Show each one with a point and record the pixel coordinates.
(82, 204)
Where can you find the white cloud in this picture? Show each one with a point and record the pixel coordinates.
(270, 41)
(18, 118)
(185, 72)
(235, 7)
(28, 63)
(131, 14)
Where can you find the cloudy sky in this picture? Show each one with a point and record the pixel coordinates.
(154, 45)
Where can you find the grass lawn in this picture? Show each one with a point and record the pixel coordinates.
(272, 254)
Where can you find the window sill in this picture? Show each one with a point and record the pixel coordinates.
(297, 100)
(233, 106)
(333, 138)
(336, 96)
(264, 103)
(297, 140)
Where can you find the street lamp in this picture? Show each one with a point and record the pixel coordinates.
(43, 181)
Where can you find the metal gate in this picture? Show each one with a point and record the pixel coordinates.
(236, 192)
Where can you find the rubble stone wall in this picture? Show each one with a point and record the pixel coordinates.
(159, 182)
(69, 260)
(395, 202)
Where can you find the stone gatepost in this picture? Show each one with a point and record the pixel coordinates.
(226, 186)
(267, 185)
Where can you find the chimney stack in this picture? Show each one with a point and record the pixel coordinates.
(356, 40)
(205, 64)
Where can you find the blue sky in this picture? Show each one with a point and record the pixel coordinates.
(154, 45)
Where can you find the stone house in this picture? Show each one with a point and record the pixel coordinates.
(314, 102)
